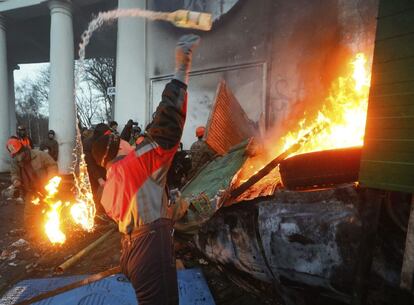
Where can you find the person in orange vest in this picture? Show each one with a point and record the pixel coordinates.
(135, 193)
(23, 137)
(30, 169)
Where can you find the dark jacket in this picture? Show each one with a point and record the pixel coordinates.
(201, 154)
(94, 170)
(52, 146)
(135, 190)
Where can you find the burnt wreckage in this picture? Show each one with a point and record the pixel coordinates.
(309, 227)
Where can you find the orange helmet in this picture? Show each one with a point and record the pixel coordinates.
(13, 145)
(200, 131)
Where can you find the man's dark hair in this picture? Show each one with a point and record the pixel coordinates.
(112, 123)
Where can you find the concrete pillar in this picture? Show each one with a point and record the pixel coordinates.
(131, 98)
(12, 99)
(4, 100)
(62, 118)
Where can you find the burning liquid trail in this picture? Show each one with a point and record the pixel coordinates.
(83, 211)
(180, 18)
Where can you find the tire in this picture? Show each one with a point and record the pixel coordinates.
(321, 168)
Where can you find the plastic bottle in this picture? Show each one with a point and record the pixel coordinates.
(190, 19)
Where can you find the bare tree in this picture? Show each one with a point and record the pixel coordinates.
(89, 105)
(100, 73)
(28, 109)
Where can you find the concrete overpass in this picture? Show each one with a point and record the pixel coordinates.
(275, 55)
(33, 31)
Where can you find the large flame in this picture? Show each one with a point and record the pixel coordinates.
(344, 113)
(340, 122)
(52, 225)
(82, 211)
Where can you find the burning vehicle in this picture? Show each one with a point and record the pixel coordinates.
(291, 213)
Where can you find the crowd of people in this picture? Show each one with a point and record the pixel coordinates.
(130, 174)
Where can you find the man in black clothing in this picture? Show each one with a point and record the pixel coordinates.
(97, 173)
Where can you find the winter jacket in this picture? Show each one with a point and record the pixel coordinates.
(94, 170)
(27, 141)
(201, 153)
(52, 146)
(43, 165)
(135, 189)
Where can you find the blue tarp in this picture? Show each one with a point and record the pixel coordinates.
(112, 290)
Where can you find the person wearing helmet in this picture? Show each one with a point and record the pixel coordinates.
(23, 137)
(30, 170)
(50, 145)
(135, 194)
(200, 152)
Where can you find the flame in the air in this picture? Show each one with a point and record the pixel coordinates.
(52, 225)
(344, 113)
(82, 211)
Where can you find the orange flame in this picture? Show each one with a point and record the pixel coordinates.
(344, 113)
(52, 225)
(342, 116)
(82, 211)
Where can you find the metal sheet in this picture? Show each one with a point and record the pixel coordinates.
(228, 124)
(115, 289)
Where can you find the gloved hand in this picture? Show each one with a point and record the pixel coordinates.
(183, 56)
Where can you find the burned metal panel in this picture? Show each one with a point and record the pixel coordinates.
(388, 152)
(313, 243)
(310, 238)
(230, 238)
(228, 124)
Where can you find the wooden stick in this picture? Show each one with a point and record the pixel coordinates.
(275, 162)
(65, 265)
(87, 281)
(407, 271)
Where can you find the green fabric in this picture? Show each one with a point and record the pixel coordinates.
(200, 191)
(217, 174)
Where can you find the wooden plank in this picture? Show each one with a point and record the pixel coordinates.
(372, 146)
(402, 73)
(395, 25)
(394, 88)
(388, 155)
(407, 271)
(394, 65)
(391, 105)
(392, 122)
(387, 175)
(391, 109)
(377, 132)
(391, 7)
(393, 49)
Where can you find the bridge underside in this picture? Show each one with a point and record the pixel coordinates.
(28, 31)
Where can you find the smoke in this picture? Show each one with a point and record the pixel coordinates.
(312, 44)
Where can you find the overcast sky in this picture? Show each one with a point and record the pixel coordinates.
(27, 71)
